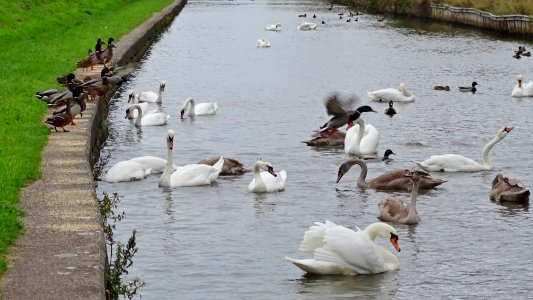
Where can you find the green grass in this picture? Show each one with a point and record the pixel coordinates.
(40, 40)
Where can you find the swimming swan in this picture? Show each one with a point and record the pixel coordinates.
(126, 171)
(273, 27)
(398, 210)
(337, 250)
(390, 180)
(458, 163)
(521, 89)
(263, 43)
(508, 190)
(188, 175)
(197, 109)
(133, 99)
(307, 26)
(361, 139)
(267, 181)
(153, 97)
(399, 94)
(152, 119)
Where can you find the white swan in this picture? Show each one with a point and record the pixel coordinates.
(267, 181)
(153, 119)
(399, 94)
(126, 171)
(458, 163)
(361, 139)
(521, 89)
(198, 109)
(398, 210)
(133, 99)
(263, 43)
(273, 27)
(307, 26)
(154, 163)
(153, 97)
(189, 175)
(337, 250)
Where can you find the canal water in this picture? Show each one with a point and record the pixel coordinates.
(221, 242)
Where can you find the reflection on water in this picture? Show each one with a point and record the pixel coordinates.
(222, 242)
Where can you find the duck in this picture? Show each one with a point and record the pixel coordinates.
(197, 109)
(61, 120)
(508, 190)
(337, 250)
(302, 16)
(469, 88)
(88, 62)
(361, 139)
(399, 94)
(459, 163)
(53, 96)
(441, 88)
(518, 54)
(263, 43)
(267, 181)
(126, 171)
(327, 139)
(188, 175)
(78, 105)
(98, 48)
(151, 119)
(521, 89)
(307, 26)
(390, 111)
(153, 97)
(385, 158)
(390, 180)
(398, 210)
(231, 167)
(273, 27)
(342, 112)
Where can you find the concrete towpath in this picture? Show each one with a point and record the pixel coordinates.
(61, 253)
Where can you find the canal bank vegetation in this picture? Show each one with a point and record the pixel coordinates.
(497, 7)
(44, 39)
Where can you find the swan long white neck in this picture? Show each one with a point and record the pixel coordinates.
(140, 116)
(378, 228)
(164, 180)
(412, 215)
(487, 164)
(258, 179)
(190, 103)
(160, 95)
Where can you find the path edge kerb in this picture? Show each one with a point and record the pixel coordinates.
(61, 253)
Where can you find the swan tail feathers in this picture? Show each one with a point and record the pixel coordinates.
(370, 95)
(219, 164)
(418, 163)
(314, 237)
(148, 172)
(215, 107)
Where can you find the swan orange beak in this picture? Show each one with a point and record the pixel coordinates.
(170, 142)
(394, 241)
(127, 113)
(508, 129)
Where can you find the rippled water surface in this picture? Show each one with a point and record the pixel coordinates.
(221, 242)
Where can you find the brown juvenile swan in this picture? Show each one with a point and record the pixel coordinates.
(399, 210)
(505, 189)
(231, 166)
(390, 180)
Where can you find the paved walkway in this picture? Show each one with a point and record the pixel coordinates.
(61, 254)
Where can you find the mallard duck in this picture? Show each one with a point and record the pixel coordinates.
(385, 157)
(231, 166)
(469, 88)
(505, 189)
(390, 180)
(88, 62)
(342, 112)
(441, 88)
(61, 120)
(390, 111)
(78, 105)
(302, 16)
(52, 96)
(98, 48)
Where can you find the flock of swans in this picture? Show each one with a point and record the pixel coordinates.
(334, 249)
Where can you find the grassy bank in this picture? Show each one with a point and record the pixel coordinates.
(42, 39)
(497, 7)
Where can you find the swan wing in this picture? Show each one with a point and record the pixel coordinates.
(148, 96)
(450, 163)
(126, 171)
(391, 94)
(154, 119)
(194, 175)
(155, 164)
(206, 108)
